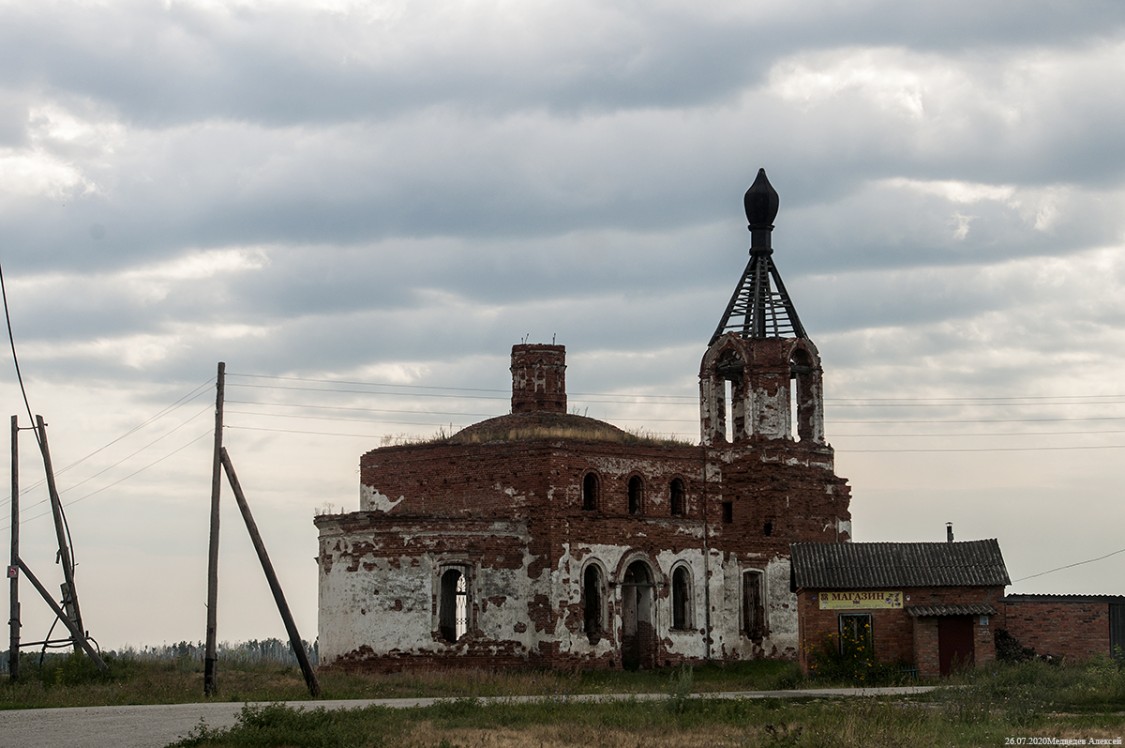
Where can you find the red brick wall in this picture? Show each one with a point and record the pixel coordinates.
(779, 492)
(1072, 629)
(898, 636)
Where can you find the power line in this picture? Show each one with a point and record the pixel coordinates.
(982, 420)
(15, 356)
(983, 449)
(121, 480)
(462, 414)
(137, 452)
(869, 400)
(1069, 566)
(167, 410)
(368, 392)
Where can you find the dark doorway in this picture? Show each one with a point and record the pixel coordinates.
(638, 637)
(955, 643)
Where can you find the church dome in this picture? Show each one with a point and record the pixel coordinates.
(540, 425)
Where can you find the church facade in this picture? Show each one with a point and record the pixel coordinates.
(544, 538)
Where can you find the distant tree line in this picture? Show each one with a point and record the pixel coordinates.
(250, 653)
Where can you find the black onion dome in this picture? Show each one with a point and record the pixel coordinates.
(761, 202)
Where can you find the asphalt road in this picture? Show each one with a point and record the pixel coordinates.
(156, 726)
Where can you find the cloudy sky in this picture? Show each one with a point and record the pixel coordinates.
(361, 206)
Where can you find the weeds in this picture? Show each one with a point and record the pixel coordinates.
(849, 658)
(980, 707)
(680, 689)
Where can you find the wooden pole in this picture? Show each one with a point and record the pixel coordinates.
(70, 594)
(271, 577)
(14, 563)
(76, 633)
(210, 657)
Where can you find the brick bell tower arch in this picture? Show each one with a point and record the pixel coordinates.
(761, 377)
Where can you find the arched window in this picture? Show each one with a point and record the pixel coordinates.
(806, 407)
(590, 491)
(753, 605)
(636, 495)
(593, 603)
(453, 604)
(678, 497)
(681, 599)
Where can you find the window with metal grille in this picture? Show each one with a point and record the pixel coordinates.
(453, 608)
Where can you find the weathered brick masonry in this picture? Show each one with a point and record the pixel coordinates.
(525, 505)
(1072, 627)
(547, 538)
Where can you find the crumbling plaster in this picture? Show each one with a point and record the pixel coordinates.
(509, 512)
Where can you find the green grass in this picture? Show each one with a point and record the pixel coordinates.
(694, 722)
(980, 707)
(73, 681)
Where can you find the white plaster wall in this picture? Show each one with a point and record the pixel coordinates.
(565, 585)
(780, 605)
(371, 500)
(503, 620)
(689, 643)
(709, 425)
(388, 604)
(771, 413)
(358, 607)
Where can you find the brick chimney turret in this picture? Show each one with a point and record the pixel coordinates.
(538, 378)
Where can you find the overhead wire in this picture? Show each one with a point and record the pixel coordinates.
(167, 410)
(15, 356)
(609, 399)
(121, 461)
(39, 437)
(400, 391)
(501, 394)
(140, 470)
(1069, 566)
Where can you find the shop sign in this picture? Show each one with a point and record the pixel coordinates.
(860, 600)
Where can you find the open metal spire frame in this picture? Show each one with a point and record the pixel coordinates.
(760, 306)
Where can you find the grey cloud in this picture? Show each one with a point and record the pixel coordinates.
(160, 66)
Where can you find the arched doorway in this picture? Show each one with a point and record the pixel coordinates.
(638, 636)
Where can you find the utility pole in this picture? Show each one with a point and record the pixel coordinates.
(68, 612)
(70, 592)
(271, 577)
(210, 657)
(14, 562)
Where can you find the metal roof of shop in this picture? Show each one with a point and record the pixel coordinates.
(930, 611)
(1047, 598)
(844, 566)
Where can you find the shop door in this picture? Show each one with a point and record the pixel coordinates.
(955, 643)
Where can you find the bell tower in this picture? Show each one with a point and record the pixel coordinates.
(761, 377)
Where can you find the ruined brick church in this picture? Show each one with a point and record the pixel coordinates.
(545, 538)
